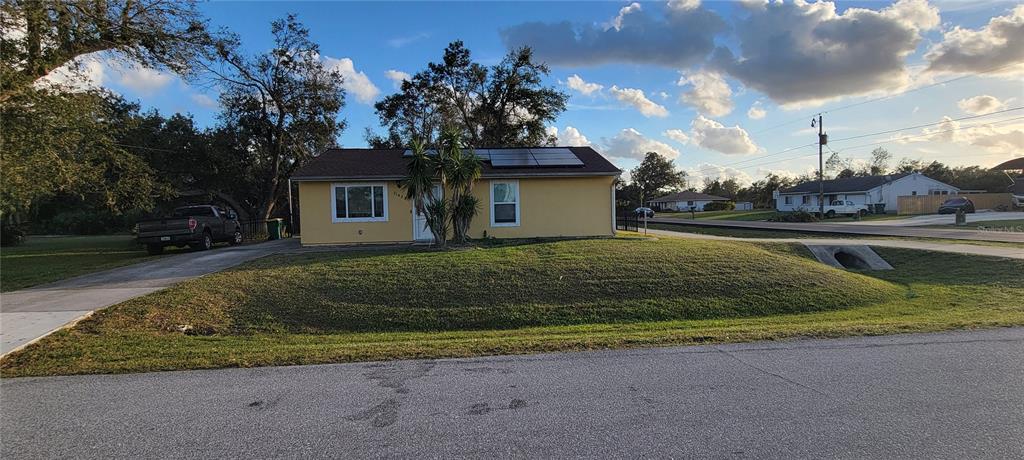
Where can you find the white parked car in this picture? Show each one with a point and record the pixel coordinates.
(847, 208)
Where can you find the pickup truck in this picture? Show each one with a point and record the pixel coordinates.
(195, 226)
(845, 208)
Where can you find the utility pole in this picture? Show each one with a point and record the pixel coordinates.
(822, 140)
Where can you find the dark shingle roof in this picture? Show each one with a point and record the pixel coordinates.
(847, 184)
(391, 164)
(687, 196)
(1016, 163)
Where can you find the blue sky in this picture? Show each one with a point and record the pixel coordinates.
(696, 106)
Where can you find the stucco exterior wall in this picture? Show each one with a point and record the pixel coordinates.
(549, 207)
(319, 228)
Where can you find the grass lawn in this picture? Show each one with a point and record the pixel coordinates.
(522, 298)
(43, 259)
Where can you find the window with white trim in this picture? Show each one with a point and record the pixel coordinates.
(359, 203)
(505, 203)
(789, 199)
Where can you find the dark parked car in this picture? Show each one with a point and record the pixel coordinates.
(195, 226)
(644, 211)
(951, 205)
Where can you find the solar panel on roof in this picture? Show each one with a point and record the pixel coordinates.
(512, 158)
(556, 157)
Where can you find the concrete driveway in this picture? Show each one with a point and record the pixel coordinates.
(951, 395)
(30, 314)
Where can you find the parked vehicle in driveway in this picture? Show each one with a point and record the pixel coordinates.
(198, 227)
(644, 212)
(951, 205)
(846, 208)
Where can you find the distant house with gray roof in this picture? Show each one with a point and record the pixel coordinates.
(868, 190)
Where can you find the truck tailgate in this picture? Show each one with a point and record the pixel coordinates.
(164, 227)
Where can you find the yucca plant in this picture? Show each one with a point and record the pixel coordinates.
(456, 171)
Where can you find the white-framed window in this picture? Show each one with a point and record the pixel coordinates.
(805, 199)
(505, 203)
(789, 199)
(359, 202)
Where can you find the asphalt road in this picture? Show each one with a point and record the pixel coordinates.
(29, 314)
(843, 228)
(953, 395)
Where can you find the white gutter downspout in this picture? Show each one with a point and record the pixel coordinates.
(291, 213)
(614, 217)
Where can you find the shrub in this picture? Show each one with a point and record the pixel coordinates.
(11, 234)
(720, 206)
(83, 222)
(795, 216)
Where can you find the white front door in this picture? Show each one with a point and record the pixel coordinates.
(420, 230)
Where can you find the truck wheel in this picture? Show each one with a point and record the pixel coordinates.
(207, 242)
(236, 239)
(863, 212)
(154, 249)
(830, 214)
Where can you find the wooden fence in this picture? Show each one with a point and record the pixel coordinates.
(929, 204)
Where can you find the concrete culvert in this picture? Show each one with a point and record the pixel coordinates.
(848, 260)
(850, 257)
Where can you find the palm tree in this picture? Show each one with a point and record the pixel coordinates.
(421, 173)
(462, 168)
(456, 170)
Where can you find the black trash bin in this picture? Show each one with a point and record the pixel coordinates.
(274, 228)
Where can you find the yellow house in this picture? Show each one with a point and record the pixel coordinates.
(351, 196)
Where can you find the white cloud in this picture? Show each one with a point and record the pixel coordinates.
(708, 92)
(663, 95)
(756, 112)
(712, 135)
(997, 45)
(85, 73)
(677, 135)
(142, 80)
(996, 138)
(980, 105)
(616, 22)
(585, 88)
(637, 99)
(356, 82)
(569, 137)
(630, 144)
(681, 38)
(807, 53)
(683, 5)
(204, 100)
(399, 42)
(713, 171)
(396, 77)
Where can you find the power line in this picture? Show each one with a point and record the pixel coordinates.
(928, 124)
(889, 96)
(858, 146)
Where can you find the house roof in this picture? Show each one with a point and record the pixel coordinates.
(846, 184)
(687, 196)
(1016, 163)
(358, 164)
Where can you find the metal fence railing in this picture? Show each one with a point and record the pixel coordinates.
(256, 230)
(629, 222)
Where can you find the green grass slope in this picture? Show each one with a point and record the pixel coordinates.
(540, 284)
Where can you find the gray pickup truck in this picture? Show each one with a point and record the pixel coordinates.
(195, 226)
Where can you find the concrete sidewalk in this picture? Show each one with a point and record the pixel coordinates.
(971, 249)
(30, 314)
(867, 230)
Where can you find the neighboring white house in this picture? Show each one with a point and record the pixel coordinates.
(869, 190)
(684, 201)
